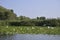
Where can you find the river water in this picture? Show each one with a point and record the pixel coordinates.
(30, 37)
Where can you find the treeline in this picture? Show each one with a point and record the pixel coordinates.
(8, 17)
(35, 22)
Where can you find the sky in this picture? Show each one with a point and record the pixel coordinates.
(33, 8)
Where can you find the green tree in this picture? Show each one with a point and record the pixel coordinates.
(38, 18)
(6, 14)
(42, 18)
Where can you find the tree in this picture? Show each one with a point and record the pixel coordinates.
(11, 10)
(23, 18)
(1, 16)
(6, 14)
(42, 18)
(38, 18)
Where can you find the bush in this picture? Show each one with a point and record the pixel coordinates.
(21, 23)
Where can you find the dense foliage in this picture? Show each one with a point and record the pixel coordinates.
(8, 17)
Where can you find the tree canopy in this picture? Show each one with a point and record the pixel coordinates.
(8, 15)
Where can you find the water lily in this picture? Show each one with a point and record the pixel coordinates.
(41, 28)
(20, 28)
(33, 28)
(13, 29)
(27, 28)
(6, 26)
(52, 27)
(48, 27)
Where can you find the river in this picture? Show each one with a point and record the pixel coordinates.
(30, 37)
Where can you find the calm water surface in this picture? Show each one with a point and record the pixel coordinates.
(30, 37)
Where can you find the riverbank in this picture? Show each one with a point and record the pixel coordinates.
(29, 30)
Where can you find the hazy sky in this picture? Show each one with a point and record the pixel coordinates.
(33, 8)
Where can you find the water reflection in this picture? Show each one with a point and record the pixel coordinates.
(6, 37)
(30, 37)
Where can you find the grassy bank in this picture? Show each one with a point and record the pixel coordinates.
(29, 30)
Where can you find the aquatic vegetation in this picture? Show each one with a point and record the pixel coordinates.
(29, 30)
